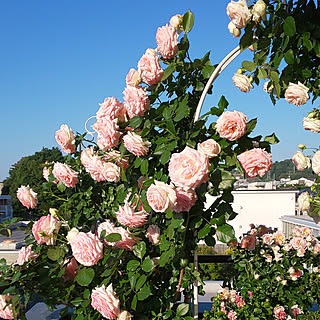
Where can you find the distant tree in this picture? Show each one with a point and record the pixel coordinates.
(28, 171)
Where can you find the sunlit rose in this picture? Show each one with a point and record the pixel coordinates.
(297, 94)
(66, 139)
(239, 13)
(27, 197)
(300, 161)
(167, 41)
(316, 163)
(234, 30)
(242, 82)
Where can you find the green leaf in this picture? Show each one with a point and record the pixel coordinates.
(204, 231)
(272, 139)
(61, 187)
(306, 41)
(251, 125)
(274, 76)
(113, 237)
(135, 122)
(182, 309)
(134, 303)
(166, 256)
(248, 65)
(144, 167)
(137, 162)
(183, 110)
(165, 157)
(84, 276)
(169, 70)
(187, 21)
(262, 73)
(55, 253)
(140, 282)
(227, 180)
(147, 265)
(207, 71)
(246, 40)
(289, 57)
(225, 233)
(289, 26)
(223, 103)
(139, 249)
(132, 265)
(144, 293)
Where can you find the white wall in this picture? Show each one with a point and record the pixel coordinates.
(260, 207)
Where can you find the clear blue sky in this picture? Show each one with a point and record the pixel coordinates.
(59, 59)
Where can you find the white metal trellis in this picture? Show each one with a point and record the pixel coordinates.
(221, 66)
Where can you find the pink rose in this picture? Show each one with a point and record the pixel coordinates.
(25, 254)
(316, 163)
(71, 270)
(105, 301)
(65, 174)
(255, 162)
(161, 196)
(248, 242)
(116, 157)
(65, 138)
(135, 144)
(301, 161)
(279, 312)
(136, 101)
(185, 200)
(232, 125)
(86, 156)
(149, 65)
(189, 168)
(267, 239)
(6, 311)
(127, 240)
(167, 41)
(242, 82)
(87, 248)
(279, 238)
(153, 233)
(133, 78)
(131, 217)
(45, 173)
(295, 274)
(27, 197)
(45, 230)
(209, 148)
(298, 243)
(297, 94)
(108, 136)
(110, 108)
(232, 315)
(239, 13)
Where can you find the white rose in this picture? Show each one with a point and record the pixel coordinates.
(259, 11)
(311, 124)
(297, 94)
(234, 30)
(72, 234)
(242, 82)
(239, 13)
(315, 163)
(209, 148)
(176, 22)
(125, 315)
(301, 161)
(304, 202)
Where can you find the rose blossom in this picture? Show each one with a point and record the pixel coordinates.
(151, 71)
(133, 77)
(279, 312)
(295, 274)
(210, 148)
(242, 82)
(185, 200)
(316, 163)
(25, 254)
(312, 124)
(72, 234)
(167, 41)
(116, 157)
(239, 13)
(27, 197)
(71, 270)
(161, 196)
(189, 168)
(234, 30)
(304, 202)
(176, 22)
(108, 134)
(46, 173)
(65, 174)
(105, 301)
(87, 248)
(128, 216)
(259, 11)
(301, 161)
(127, 240)
(136, 101)
(248, 242)
(153, 233)
(279, 238)
(135, 144)
(232, 315)
(267, 239)
(45, 230)
(255, 162)
(65, 138)
(110, 108)
(297, 94)
(232, 125)
(298, 243)
(125, 315)
(296, 310)
(6, 311)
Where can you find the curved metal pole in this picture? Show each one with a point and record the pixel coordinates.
(221, 66)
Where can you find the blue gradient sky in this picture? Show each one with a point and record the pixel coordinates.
(59, 59)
